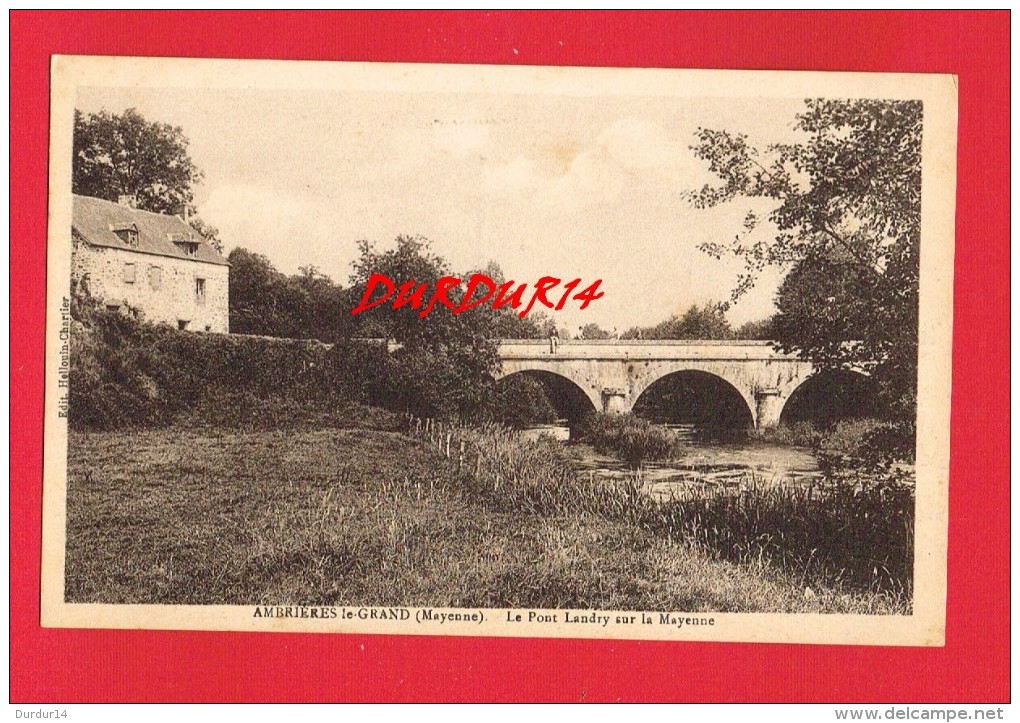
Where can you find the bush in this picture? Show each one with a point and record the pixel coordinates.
(872, 443)
(427, 383)
(632, 439)
(127, 373)
(867, 442)
(890, 443)
(798, 434)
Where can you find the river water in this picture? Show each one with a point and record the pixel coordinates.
(701, 464)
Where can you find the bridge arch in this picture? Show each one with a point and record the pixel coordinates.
(581, 376)
(830, 395)
(566, 396)
(728, 374)
(695, 396)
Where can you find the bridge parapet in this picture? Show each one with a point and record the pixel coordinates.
(641, 350)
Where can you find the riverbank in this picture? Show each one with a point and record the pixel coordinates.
(187, 515)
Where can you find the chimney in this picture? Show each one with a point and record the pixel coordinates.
(127, 199)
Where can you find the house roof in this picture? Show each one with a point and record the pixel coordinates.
(94, 219)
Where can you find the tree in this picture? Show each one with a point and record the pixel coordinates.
(506, 323)
(846, 219)
(447, 362)
(324, 314)
(209, 232)
(698, 322)
(593, 332)
(761, 329)
(261, 299)
(126, 154)
(266, 302)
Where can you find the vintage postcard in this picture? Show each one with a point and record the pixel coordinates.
(498, 351)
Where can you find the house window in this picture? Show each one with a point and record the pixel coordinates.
(200, 291)
(185, 243)
(129, 273)
(155, 277)
(126, 232)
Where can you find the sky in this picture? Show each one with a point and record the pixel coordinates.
(564, 185)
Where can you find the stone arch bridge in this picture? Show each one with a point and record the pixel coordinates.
(613, 374)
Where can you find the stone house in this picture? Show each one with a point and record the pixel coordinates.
(154, 266)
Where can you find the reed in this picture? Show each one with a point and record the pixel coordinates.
(854, 529)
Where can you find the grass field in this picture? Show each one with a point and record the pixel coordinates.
(369, 517)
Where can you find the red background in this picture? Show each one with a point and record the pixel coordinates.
(97, 665)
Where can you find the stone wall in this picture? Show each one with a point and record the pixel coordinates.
(161, 289)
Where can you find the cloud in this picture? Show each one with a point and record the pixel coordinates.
(629, 155)
(592, 179)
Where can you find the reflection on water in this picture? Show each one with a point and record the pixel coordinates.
(702, 464)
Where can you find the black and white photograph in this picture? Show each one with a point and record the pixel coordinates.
(504, 351)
